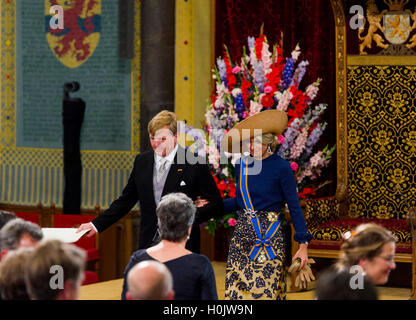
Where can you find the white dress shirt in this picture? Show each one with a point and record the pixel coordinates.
(158, 160)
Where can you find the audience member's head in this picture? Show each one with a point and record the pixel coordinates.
(6, 216)
(372, 247)
(175, 214)
(55, 271)
(335, 284)
(18, 233)
(150, 280)
(12, 271)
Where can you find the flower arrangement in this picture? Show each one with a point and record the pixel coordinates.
(263, 80)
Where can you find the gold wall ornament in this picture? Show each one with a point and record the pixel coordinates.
(395, 24)
(383, 139)
(374, 18)
(411, 142)
(341, 98)
(396, 5)
(382, 162)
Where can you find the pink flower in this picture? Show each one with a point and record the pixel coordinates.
(316, 160)
(285, 100)
(268, 89)
(294, 166)
(312, 90)
(299, 145)
(281, 139)
(236, 70)
(255, 107)
(232, 222)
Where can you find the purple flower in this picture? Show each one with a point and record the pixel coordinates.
(222, 70)
(259, 76)
(290, 136)
(313, 139)
(251, 42)
(239, 101)
(299, 73)
(287, 73)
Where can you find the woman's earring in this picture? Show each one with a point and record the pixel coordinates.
(269, 150)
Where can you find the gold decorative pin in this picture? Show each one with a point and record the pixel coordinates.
(180, 170)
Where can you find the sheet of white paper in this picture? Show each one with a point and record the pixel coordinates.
(68, 235)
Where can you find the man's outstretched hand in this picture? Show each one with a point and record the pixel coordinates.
(87, 226)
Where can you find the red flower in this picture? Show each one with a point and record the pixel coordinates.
(306, 192)
(231, 81)
(231, 191)
(259, 46)
(267, 101)
(299, 104)
(230, 75)
(244, 90)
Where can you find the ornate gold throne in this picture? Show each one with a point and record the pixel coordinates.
(376, 150)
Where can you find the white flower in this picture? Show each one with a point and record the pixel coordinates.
(278, 95)
(236, 92)
(296, 53)
(225, 172)
(219, 103)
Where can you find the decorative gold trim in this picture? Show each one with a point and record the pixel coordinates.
(355, 60)
(341, 97)
(184, 61)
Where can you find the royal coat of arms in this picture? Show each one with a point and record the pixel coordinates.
(395, 24)
(77, 37)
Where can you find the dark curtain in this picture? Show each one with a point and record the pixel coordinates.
(307, 22)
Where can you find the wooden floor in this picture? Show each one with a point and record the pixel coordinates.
(111, 290)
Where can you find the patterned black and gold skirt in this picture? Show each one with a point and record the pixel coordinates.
(248, 279)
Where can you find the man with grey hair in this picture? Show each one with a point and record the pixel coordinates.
(6, 216)
(18, 233)
(150, 280)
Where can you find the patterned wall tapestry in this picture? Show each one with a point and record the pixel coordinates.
(32, 75)
(381, 140)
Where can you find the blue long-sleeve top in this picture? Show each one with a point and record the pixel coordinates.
(274, 185)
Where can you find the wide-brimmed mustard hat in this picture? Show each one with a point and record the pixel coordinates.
(269, 121)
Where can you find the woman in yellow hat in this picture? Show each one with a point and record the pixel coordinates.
(264, 183)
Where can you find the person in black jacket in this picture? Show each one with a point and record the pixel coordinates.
(158, 172)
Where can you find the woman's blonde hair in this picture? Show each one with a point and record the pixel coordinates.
(366, 241)
(163, 119)
(268, 139)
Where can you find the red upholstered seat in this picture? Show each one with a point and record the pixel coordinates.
(90, 277)
(328, 235)
(86, 243)
(28, 216)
